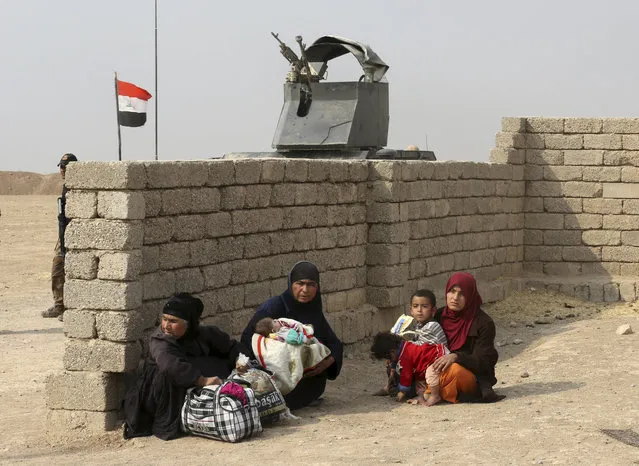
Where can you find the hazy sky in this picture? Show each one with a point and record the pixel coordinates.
(456, 67)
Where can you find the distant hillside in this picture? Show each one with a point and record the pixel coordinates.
(29, 183)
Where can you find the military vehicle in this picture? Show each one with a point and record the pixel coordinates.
(321, 119)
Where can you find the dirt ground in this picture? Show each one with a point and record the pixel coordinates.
(581, 377)
(13, 183)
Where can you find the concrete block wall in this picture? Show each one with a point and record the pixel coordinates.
(104, 322)
(230, 230)
(556, 208)
(227, 231)
(231, 233)
(582, 202)
(429, 219)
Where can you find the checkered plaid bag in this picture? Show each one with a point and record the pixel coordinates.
(209, 413)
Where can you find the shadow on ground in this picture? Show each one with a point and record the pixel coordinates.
(538, 388)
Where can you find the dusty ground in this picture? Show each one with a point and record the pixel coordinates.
(582, 378)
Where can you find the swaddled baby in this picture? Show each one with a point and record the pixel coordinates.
(286, 330)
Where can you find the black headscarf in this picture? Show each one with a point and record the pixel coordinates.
(303, 270)
(310, 312)
(186, 307)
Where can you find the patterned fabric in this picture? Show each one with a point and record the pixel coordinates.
(208, 412)
(293, 332)
(270, 401)
(430, 333)
(57, 282)
(427, 333)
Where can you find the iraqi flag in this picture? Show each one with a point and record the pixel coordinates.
(131, 104)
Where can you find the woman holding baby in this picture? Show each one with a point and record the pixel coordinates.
(302, 302)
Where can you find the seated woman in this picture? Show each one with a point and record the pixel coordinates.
(468, 372)
(302, 301)
(182, 354)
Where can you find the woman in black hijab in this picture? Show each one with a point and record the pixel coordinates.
(182, 354)
(302, 301)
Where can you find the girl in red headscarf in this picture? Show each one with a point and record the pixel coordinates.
(469, 369)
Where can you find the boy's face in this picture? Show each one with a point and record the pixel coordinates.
(276, 326)
(421, 309)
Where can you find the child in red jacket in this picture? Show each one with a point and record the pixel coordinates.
(412, 362)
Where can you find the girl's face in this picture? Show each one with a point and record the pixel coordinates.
(455, 299)
(276, 326)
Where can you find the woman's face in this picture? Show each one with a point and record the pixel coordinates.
(173, 326)
(455, 299)
(304, 290)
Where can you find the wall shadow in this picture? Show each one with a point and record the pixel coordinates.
(537, 388)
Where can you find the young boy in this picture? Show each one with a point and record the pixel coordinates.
(423, 307)
(419, 328)
(413, 362)
(286, 330)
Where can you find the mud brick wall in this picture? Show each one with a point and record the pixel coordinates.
(582, 202)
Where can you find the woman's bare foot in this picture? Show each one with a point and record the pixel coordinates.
(433, 399)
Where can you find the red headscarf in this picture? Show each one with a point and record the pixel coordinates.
(457, 324)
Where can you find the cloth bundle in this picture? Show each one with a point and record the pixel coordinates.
(288, 363)
(226, 412)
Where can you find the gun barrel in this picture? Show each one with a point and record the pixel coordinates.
(277, 38)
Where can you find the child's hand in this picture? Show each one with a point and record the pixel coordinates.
(401, 396)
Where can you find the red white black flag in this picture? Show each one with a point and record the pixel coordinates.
(131, 104)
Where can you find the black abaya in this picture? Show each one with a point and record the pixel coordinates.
(173, 365)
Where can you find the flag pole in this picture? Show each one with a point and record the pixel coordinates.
(117, 113)
(156, 79)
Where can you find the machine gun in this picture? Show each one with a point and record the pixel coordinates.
(288, 53)
(303, 60)
(301, 69)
